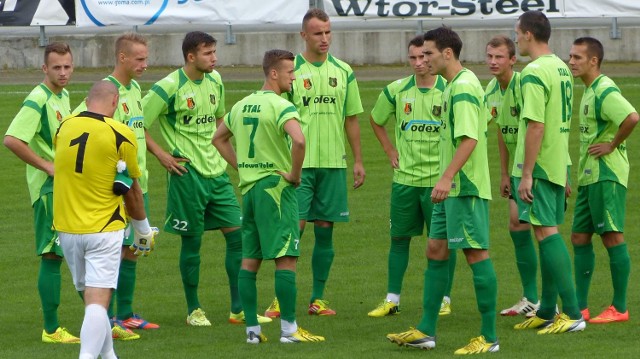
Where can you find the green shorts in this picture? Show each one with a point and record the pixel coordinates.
(520, 204)
(196, 204)
(47, 240)
(463, 221)
(322, 195)
(600, 208)
(411, 208)
(270, 227)
(128, 240)
(547, 208)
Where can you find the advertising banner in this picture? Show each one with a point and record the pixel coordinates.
(36, 12)
(166, 12)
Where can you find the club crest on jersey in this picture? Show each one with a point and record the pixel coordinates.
(586, 109)
(436, 110)
(307, 84)
(190, 103)
(333, 82)
(407, 108)
(58, 116)
(212, 98)
(125, 108)
(494, 112)
(514, 111)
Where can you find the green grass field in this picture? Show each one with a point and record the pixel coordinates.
(356, 285)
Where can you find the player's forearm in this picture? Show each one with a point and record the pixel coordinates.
(297, 158)
(382, 136)
(625, 129)
(26, 154)
(134, 201)
(504, 155)
(225, 149)
(152, 145)
(532, 143)
(352, 128)
(460, 157)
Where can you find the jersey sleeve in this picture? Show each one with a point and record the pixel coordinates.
(353, 103)
(468, 111)
(155, 104)
(288, 112)
(615, 107)
(384, 107)
(27, 122)
(533, 95)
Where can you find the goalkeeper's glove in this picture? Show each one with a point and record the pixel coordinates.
(143, 237)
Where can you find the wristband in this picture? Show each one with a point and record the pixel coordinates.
(141, 226)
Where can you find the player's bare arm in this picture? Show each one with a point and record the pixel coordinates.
(352, 128)
(532, 143)
(387, 146)
(26, 154)
(170, 163)
(505, 181)
(463, 152)
(626, 127)
(292, 128)
(222, 142)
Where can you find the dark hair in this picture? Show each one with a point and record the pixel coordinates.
(272, 59)
(314, 13)
(124, 41)
(445, 38)
(537, 24)
(60, 48)
(501, 40)
(594, 47)
(194, 39)
(417, 41)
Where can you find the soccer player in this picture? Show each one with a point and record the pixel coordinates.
(460, 218)
(188, 103)
(416, 103)
(325, 93)
(90, 216)
(265, 126)
(131, 62)
(541, 160)
(505, 101)
(30, 138)
(606, 120)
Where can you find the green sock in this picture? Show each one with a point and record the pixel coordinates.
(453, 258)
(620, 265)
(435, 282)
(484, 282)
(321, 260)
(527, 262)
(248, 296)
(556, 256)
(190, 269)
(286, 292)
(126, 286)
(233, 260)
(584, 262)
(549, 296)
(49, 288)
(398, 262)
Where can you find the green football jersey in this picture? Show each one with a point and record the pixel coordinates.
(324, 94)
(504, 106)
(464, 114)
(129, 112)
(602, 110)
(36, 124)
(547, 97)
(262, 145)
(417, 132)
(187, 111)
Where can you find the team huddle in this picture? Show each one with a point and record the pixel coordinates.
(289, 150)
